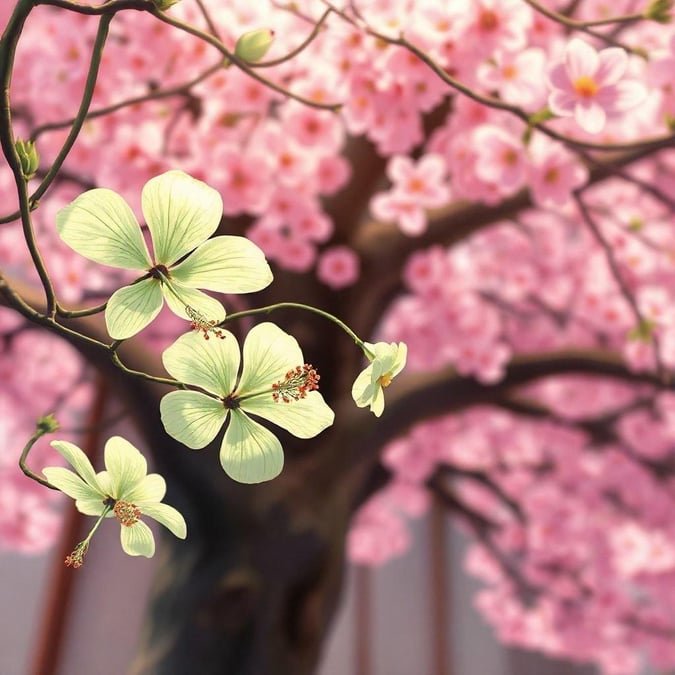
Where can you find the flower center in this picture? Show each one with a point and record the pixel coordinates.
(126, 513)
(159, 272)
(384, 380)
(296, 384)
(231, 402)
(488, 20)
(585, 86)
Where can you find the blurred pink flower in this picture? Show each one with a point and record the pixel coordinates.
(587, 85)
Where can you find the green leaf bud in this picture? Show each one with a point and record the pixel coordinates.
(659, 11)
(28, 157)
(163, 5)
(47, 424)
(252, 46)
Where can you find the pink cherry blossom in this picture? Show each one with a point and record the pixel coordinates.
(589, 85)
(338, 267)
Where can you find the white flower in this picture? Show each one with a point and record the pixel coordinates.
(124, 491)
(181, 213)
(386, 362)
(274, 384)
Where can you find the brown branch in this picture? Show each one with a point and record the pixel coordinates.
(419, 397)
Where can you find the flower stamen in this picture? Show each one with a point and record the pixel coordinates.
(76, 558)
(127, 514)
(203, 325)
(385, 380)
(296, 384)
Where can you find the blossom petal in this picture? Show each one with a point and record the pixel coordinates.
(137, 539)
(590, 117)
(179, 297)
(211, 364)
(150, 488)
(171, 518)
(227, 264)
(622, 96)
(132, 308)
(192, 418)
(72, 485)
(92, 507)
(100, 225)
(613, 62)
(181, 213)
(269, 353)
(562, 102)
(581, 59)
(125, 464)
(79, 461)
(304, 418)
(366, 391)
(249, 452)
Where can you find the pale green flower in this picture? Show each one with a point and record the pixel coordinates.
(181, 213)
(124, 490)
(274, 384)
(386, 362)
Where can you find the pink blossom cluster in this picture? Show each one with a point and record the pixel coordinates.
(569, 528)
(39, 375)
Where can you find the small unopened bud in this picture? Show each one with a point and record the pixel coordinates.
(252, 46)
(163, 5)
(28, 157)
(47, 424)
(659, 11)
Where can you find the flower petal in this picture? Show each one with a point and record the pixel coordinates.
(100, 225)
(366, 391)
(581, 59)
(211, 364)
(132, 308)
(269, 353)
(72, 485)
(79, 461)
(151, 488)
(613, 62)
(171, 518)
(125, 465)
(92, 507)
(181, 212)
(227, 264)
(137, 539)
(192, 418)
(304, 418)
(249, 452)
(590, 117)
(179, 297)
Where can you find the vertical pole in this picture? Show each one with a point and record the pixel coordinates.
(62, 583)
(363, 621)
(439, 589)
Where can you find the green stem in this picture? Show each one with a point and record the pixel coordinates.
(80, 117)
(298, 305)
(241, 64)
(139, 373)
(39, 433)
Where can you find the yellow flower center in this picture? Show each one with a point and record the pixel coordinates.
(585, 86)
(384, 380)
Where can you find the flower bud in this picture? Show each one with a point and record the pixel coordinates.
(47, 424)
(659, 11)
(28, 157)
(163, 5)
(252, 46)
